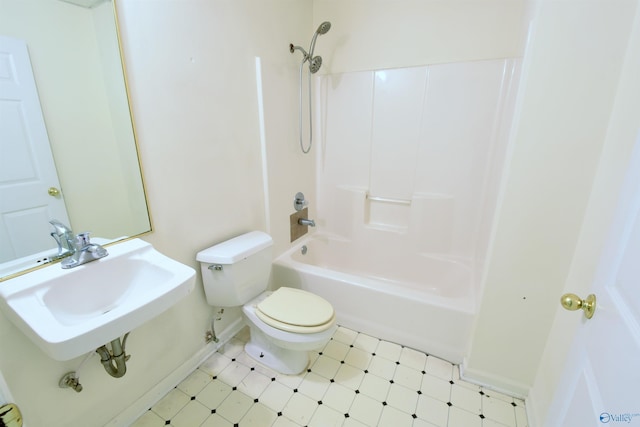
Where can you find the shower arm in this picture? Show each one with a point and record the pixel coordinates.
(305, 55)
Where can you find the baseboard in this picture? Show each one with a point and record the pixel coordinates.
(151, 397)
(494, 382)
(534, 417)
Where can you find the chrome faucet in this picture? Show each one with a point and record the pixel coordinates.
(308, 222)
(84, 251)
(63, 235)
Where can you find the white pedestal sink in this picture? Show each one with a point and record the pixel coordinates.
(71, 312)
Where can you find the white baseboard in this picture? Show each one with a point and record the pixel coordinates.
(493, 382)
(140, 406)
(534, 418)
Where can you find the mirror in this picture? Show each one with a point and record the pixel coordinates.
(76, 66)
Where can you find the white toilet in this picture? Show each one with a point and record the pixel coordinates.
(284, 324)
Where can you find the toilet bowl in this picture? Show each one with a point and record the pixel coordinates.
(284, 351)
(284, 324)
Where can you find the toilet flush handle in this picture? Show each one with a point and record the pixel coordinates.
(216, 267)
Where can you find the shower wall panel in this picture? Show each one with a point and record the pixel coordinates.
(415, 153)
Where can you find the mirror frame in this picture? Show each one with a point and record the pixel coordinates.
(137, 149)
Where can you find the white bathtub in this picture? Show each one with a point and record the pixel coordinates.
(419, 301)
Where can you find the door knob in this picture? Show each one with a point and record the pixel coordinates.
(10, 415)
(53, 191)
(574, 302)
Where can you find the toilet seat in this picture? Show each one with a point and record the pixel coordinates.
(295, 310)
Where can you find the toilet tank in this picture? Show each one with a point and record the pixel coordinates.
(237, 270)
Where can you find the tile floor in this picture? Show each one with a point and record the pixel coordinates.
(356, 380)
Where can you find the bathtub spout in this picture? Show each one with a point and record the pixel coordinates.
(308, 222)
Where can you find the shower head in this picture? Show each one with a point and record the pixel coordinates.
(322, 29)
(315, 63)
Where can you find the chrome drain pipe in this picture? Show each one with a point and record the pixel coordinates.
(117, 356)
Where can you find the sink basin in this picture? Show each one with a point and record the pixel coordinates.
(71, 312)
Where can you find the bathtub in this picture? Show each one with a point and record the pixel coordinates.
(419, 301)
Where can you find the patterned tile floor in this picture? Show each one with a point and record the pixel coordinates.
(356, 380)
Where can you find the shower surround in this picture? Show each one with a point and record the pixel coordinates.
(408, 168)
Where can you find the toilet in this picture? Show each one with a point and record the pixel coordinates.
(284, 324)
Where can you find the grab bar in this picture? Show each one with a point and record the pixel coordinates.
(388, 200)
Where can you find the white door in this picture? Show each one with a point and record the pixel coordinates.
(27, 170)
(601, 380)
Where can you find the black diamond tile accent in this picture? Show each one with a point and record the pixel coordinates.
(481, 416)
(351, 345)
(320, 353)
(279, 414)
(419, 392)
(384, 403)
(236, 425)
(213, 411)
(233, 360)
(357, 391)
(373, 354)
(295, 390)
(255, 400)
(398, 362)
(366, 371)
(414, 416)
(253, 369)
(167, 422)
(332, 380)
(273, 378)
(481, 392)
(346, 415)
(234, 388)
(214, 377)
(451, 382)
(391, 381)
(342, 361)
(514, 404)
(319, 402)
(449, 404)
(308, 370)
(424, 372)
(193, 398)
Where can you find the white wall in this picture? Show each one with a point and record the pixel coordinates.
(570, 76)
(376, 34)
(191, 66)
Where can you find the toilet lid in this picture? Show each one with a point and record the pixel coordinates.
(295, 310)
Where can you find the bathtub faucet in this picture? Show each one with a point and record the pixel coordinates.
(308, 222)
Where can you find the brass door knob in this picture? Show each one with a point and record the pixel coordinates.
(53, 191)
(10, 415)
(574, 302)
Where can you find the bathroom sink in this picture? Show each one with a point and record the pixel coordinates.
(70, 312)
